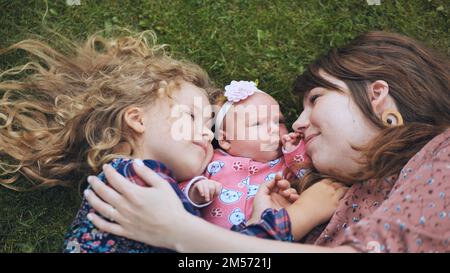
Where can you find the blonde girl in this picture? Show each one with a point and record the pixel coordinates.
(103, 101)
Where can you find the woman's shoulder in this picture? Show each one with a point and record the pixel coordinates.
(433, 159)
(413, 215)
(425, 175)
(435, 149)
(439, 145)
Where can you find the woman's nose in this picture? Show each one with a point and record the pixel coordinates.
(301, 123)
(274, 128)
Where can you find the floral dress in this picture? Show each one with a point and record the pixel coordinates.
(84, 237)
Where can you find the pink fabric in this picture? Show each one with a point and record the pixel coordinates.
(240, 178)
(410, 213)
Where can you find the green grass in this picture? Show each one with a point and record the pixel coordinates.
(271, 41)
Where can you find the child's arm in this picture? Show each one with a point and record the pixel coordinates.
(315, 206)
(201, 191)
(295, 156)
(204, 191)
(290, 142)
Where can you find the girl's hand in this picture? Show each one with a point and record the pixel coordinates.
(290, 141)
(275, 194)
(204, 191)
(152, 215)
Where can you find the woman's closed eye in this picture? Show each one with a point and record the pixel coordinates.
(313, 98)
(190, 114)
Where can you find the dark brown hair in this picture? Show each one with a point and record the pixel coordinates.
(419, 83)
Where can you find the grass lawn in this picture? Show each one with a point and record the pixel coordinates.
(271, 41)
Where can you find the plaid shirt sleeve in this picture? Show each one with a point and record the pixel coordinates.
(273, 224)
(128, 171)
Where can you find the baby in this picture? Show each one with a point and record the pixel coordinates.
(250, 130)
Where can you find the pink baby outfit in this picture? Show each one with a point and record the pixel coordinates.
(240, 178)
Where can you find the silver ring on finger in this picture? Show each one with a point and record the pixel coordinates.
(111, 213)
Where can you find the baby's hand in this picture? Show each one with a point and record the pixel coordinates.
(275, 194)
(290, 141)
(204, 191)
(320, 201)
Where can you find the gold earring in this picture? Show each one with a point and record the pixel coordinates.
(392, 118)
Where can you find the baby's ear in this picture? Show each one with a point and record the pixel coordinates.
(134, 118)
(223, 142)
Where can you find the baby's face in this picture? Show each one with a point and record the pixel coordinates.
(254, 128)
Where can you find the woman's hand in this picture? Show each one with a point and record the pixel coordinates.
(155, 216)
(275, 194)
(151, 215)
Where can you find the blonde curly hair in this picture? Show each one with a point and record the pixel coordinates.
(63, 119)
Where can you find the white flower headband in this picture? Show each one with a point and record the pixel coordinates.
(234, 92)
